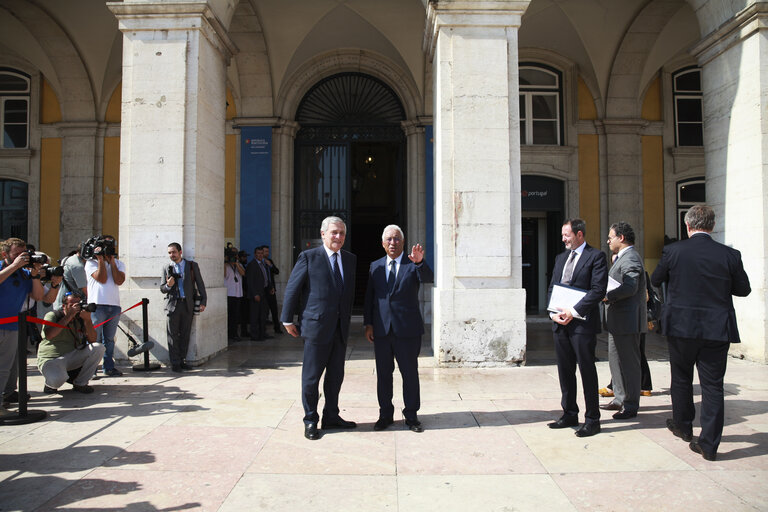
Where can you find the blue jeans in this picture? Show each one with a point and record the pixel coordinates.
(106, 333)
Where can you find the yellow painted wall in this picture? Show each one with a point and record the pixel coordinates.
(50, 110)
(589, 186)
(652, 102)
(114, 106)
(110, 206)
(50, 196)
(653, 180)
(586, 103)
(230, 188)
(653, 199)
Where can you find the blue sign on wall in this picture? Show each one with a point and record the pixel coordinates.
(255, 187)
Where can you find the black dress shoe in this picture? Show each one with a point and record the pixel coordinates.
(624, 414)
(588, 429)
(49, 390)
(176, 368)
(611, 406)
(310, 431)
(696, 447)
(565, 422)
(337, 422)
(685, 435)
(382, 423)
(414, 425)
(185, 366)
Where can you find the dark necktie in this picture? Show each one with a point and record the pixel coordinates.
(337, 271)
(391, 278)
(568, 272)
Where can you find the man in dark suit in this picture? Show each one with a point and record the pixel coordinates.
(321, 290)
(272, 271)
(699, 321)
(394, 325)
(181, 282)
(575, 328)
(258, 281)
(626, 318)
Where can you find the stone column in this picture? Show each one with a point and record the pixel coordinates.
(283, 136)
(624, 176)
(734, 59)
(478, 299)
(416, 228)
(172, 159)
(80, 194)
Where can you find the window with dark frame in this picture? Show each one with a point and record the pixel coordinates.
(14, 109)
(689, 118)
(690, 192)
(541, 94)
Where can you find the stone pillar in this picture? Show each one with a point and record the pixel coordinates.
(283, 136)
(80, 195)
(478, 299)
(624, 176)
(172, 159)
(416, 227)
(735, 88)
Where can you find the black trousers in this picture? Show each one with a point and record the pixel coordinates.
(387, 349)
(710, 358)
(572, 349)
(178, 325)
(258, 318)
(233, 315)
(272, 302)
(319, 357)
(245, 316)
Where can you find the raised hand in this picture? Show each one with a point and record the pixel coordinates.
(417, 254)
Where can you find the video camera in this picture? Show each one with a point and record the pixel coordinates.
(97, 246)
(230, 253)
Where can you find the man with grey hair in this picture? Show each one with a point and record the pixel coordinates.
(699, 321)
(321, 290)
(393, 323)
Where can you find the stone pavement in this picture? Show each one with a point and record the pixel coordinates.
(229, 436)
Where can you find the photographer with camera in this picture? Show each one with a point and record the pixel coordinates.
(181, 283)
(19, 279)
(74, 278)
(105, 272)
(233, 278)
(63, 351)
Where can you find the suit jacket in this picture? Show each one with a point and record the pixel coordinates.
(399, 309)
(590, 274)
(702, 275)
(192, 282)
(255, 279)
(312, 293)
(626, 310)
(272, 272)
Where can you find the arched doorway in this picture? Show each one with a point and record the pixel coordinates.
(350, 162)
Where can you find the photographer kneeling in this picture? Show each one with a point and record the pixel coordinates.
(63, 350)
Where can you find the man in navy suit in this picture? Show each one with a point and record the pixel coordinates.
(575, 329)
(321, 290)
(700, 323)
(394, 325)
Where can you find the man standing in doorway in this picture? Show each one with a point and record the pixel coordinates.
(575, 329)
(272, 271)
(321, 290)
(699, 322)
(394, 325)
(258, 280)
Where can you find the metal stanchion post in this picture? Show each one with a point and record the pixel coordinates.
(23, 416)
(147, 366)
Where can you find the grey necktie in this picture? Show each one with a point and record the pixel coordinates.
(568, 271)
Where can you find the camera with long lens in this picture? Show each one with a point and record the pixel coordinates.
(48, 271)
(97, 246)
(87, 306)
(35, 257)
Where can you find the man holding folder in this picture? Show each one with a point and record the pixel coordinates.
(575, 328)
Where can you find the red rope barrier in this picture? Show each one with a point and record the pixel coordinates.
(35, 320)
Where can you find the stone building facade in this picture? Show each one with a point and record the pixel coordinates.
(477, 125)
